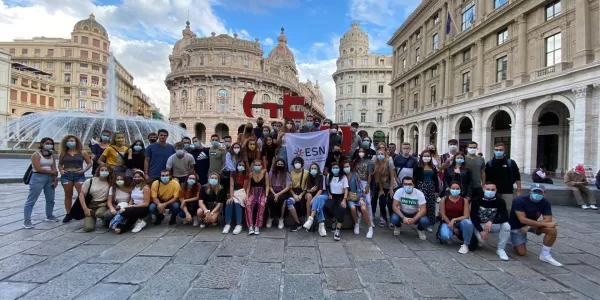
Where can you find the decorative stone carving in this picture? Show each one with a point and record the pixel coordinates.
(581, 92)
(518, 104)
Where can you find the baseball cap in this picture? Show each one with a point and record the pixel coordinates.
(538, 187)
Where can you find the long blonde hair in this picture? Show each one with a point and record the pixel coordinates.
(216, 188)
(382, 170)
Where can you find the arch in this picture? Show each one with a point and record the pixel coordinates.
(200, 132)
(26, 113)
(96, 30)
(491, 113)
(549, 118)
(535, 107)
(266, 98)
(400, 136)
(222, 93)
(222, 130)
(458, 120)
(182, 125)
(184, 94)
(86, 28)
(413, 137)
(200, 94)
(431, 133)
(363, 134)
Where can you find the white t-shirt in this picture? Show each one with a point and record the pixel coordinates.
(409, 203)
(338, 184)
(120, 196)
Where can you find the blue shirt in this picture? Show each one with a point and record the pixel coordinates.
(532, 210)
(158, 158)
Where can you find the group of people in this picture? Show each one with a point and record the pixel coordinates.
(248, 178)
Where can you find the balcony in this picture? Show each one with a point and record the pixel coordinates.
(546, 71)
(500, 85)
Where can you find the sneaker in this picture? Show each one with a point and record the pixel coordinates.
(296, 227)
(28, 225)
(337, 235)
(356, 228)
(281, 224)
(237, 229)
(256, 230)
(396, 231)
(202, 225)
(594, 207)
(67, 218)
(196, 221)
(464, 249)
(585, 206)
(138, 226)
(372, 224)
(322, 231)
(382, 222)
(422, 235)
(502, 254)
(226, 229)
(51, 219)
(251, 230)
(391, 226)
(308, 224)
(159, 219)
(269, 222)
(173, 220)
(550, 260)
(429, 229)
(370, 233)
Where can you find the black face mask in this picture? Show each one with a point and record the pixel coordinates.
(152, 141)
(248, 130)
(279, 167)
(336, 152)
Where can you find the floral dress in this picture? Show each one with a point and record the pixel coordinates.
(427, 186)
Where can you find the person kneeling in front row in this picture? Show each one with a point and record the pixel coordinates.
(489, 215)
(165, 194)
(524, 215)
(409, 208)
(455, 212)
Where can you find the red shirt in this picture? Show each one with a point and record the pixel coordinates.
(454, 209)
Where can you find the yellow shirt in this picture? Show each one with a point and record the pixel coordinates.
(113, 158)
(167, 191)
(295, 176)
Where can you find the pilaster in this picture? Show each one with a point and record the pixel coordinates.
(518, 132)
(581, 139)
(479, 68)
(583, 50)
(441, 129)
(476, 137)
(521, 75)
(442, 84)
(449, 83)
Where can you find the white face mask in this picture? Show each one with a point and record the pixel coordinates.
(236, 150)
(297, 165)
(472, 151)
(361, 154)
(426, 159)
(288, 126)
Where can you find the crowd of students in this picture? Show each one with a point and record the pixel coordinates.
(248, 180)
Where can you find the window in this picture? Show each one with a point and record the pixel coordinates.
(341, 90)
(379, 117)
(13, 81)
(83, 53)
(435, 41)
(104, 58)
(82, 104)
(96, 56)
(94, 105)
(12, 51)
(468, 15)
(83, 66)
(553, 50)
(222, 60)
(222, 93)
(75, 40)
(466, 82)
(245, 63)
(553, 10)
(501, 66)
(50, 53)
(379, 102)
(365, 62)
(37, 52)
(349, 113)
(24, 51)
(363, 117)
(364, 88)
(404, 63)
(82, 92)
(402, 88)
(498, 3)
(381, 62)
(380, 89)
(415, 101)
(502, 36)
(66, 103)
(402, 105)
(436, 19)
(352, 62)
(68, 53)
(433, 94)
(418, 55)
(67, 77)
(83, 79)
(96, 43)
(418, 34)
(433, 72)
(349, 89)
(467, 55)
(95, 68)
(416, 81)
(49, 66)
(342, 64)
(404, 47)
(84, 40)
(105, 46)
(202, 60)
(36, 65)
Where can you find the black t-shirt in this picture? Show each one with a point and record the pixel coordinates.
(331, 159)
(210, 197)
(202, 164)
(269, 153)
(483, 211)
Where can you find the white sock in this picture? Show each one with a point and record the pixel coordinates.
(546, 250)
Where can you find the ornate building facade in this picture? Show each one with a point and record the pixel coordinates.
(4, 86)
(362, 80)
(525, 73)
(210, 76)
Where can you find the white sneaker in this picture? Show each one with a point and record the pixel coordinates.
(429, 229)
(138, 226)
(550, 260)
(464, 249)
(226, 229)
(269, 222)
(594, 207)
(396, 231)
(280, 225)
(372, 224)
(502, 254)
(251, 230)
(256, 230)
(422, 235)
(322, 231)
(370, 233)
(196, 221)
(308, 224)
(585, 206)
(202, 226)
(237, 229)
(356, 228)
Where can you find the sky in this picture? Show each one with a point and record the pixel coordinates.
(142, 32)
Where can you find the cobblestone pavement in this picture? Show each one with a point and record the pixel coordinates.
(56, 261)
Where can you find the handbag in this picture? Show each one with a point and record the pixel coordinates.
(77, 210)
(240, 196)
(353, 196)
(27, 176)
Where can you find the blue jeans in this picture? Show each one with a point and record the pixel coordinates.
(422, 223)
(39, 182)
(229, 208)
(173, 208)
(317, 205)
(465, 226)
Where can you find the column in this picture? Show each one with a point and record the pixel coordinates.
(518, 133)
(583, 53)
(440, 134)
(442, 84)
(444, 19)
(409, 48)
(596, 120)
(394, 104)
(422, 100)
(582, 141)
(480, 10)
(571, 149)
(479, 73)
(476, 137)
(521, 73)
(425, 40)
(446, 137)
(449, 82)
(531, 140)
(486, 146)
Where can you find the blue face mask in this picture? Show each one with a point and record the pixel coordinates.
(335, 171)
(197, 144)
(452, 147)
(499, 153)
(257, 168)
(214, 143)
(460, 161)
(489, 194)
(537, 197)
(137, 148)
(104, 173)
(105, 138)
(71, 144)
(297, 124)
(186, 146)
(48, 147)
(317, 124)
(346, 170)
(165, 179)
(408, 189)
(241, 168)
(213, 181)
(455, 192)
(191, 181)
(313, 172)
(380, 156)
(365, 144)
(309, 124)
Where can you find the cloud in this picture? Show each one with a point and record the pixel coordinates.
(268, 42)
(321, 71)
(260, 7)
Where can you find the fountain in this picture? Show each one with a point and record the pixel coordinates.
(26, 131)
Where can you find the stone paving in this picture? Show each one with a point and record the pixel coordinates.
(56, 261)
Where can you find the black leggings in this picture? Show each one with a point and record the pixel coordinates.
(385, 204)
(275, 207)
(132, 214)
(333, 208)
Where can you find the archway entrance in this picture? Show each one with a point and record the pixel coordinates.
(552, 137)
(414, 135)
(465, 133)
(400, 137)
(363, 134)
(501, 131)
(182, 125)
(431, 135)
(222, 130)
(200, 132)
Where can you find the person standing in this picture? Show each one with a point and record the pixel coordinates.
(356, 200)
(181, 164)
(115, 155)
(239, 184)
(425, 175)
(356, 138)
(200, 154)
(334, 138)
(477, 165)
(404, 163)
(296, 203)
(257, 197)
(577, 183)
(316, 196)
(98, 148)
(258, 133)
(44, 177)
(365, 167)
(337, 198)
(72, 172)
(152, 137)
(216, 156)
(157, 155)
(503, 172)
(384, 176)
(309, 125)
(135, 157)
(289, 128)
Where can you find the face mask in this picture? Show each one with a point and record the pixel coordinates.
(365, 144)
(120, 182)
(191, 182)
(472, 151)
(297, 124)
(333, 130)
(196, 144)
(297, 165)
(336, 152)
(499, 153)
(275, 128)
(236, 150)
(452, 147)
(537, 197)
(309, 124)
(335, 171)
(354, 129)
(251, 147)
(460, 161)
(137, 148)
(361, 154)
(213, 181)
(313, 172)
(346, 170)
(317, 124)
(266, 133)
(186, 146)
(406, 151)
(455, 192)
(489, 194)
(380, 156)
(137, 181)
(241, 168)
(180, 152)
(214, 143)
(71, 144)
(48, 147)
(227, 144)
(426, 159)
(288, 126)
(257, 168)
(152, 141)
(104, 173)
(408, 189)
(279, 167)
(165, 179)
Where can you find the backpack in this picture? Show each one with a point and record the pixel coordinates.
(508, 163)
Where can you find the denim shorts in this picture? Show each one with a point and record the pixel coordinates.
(354, 203)
(518, 238)
(72, 177)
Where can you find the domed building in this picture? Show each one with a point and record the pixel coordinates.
(362, 80)
(210, 76)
